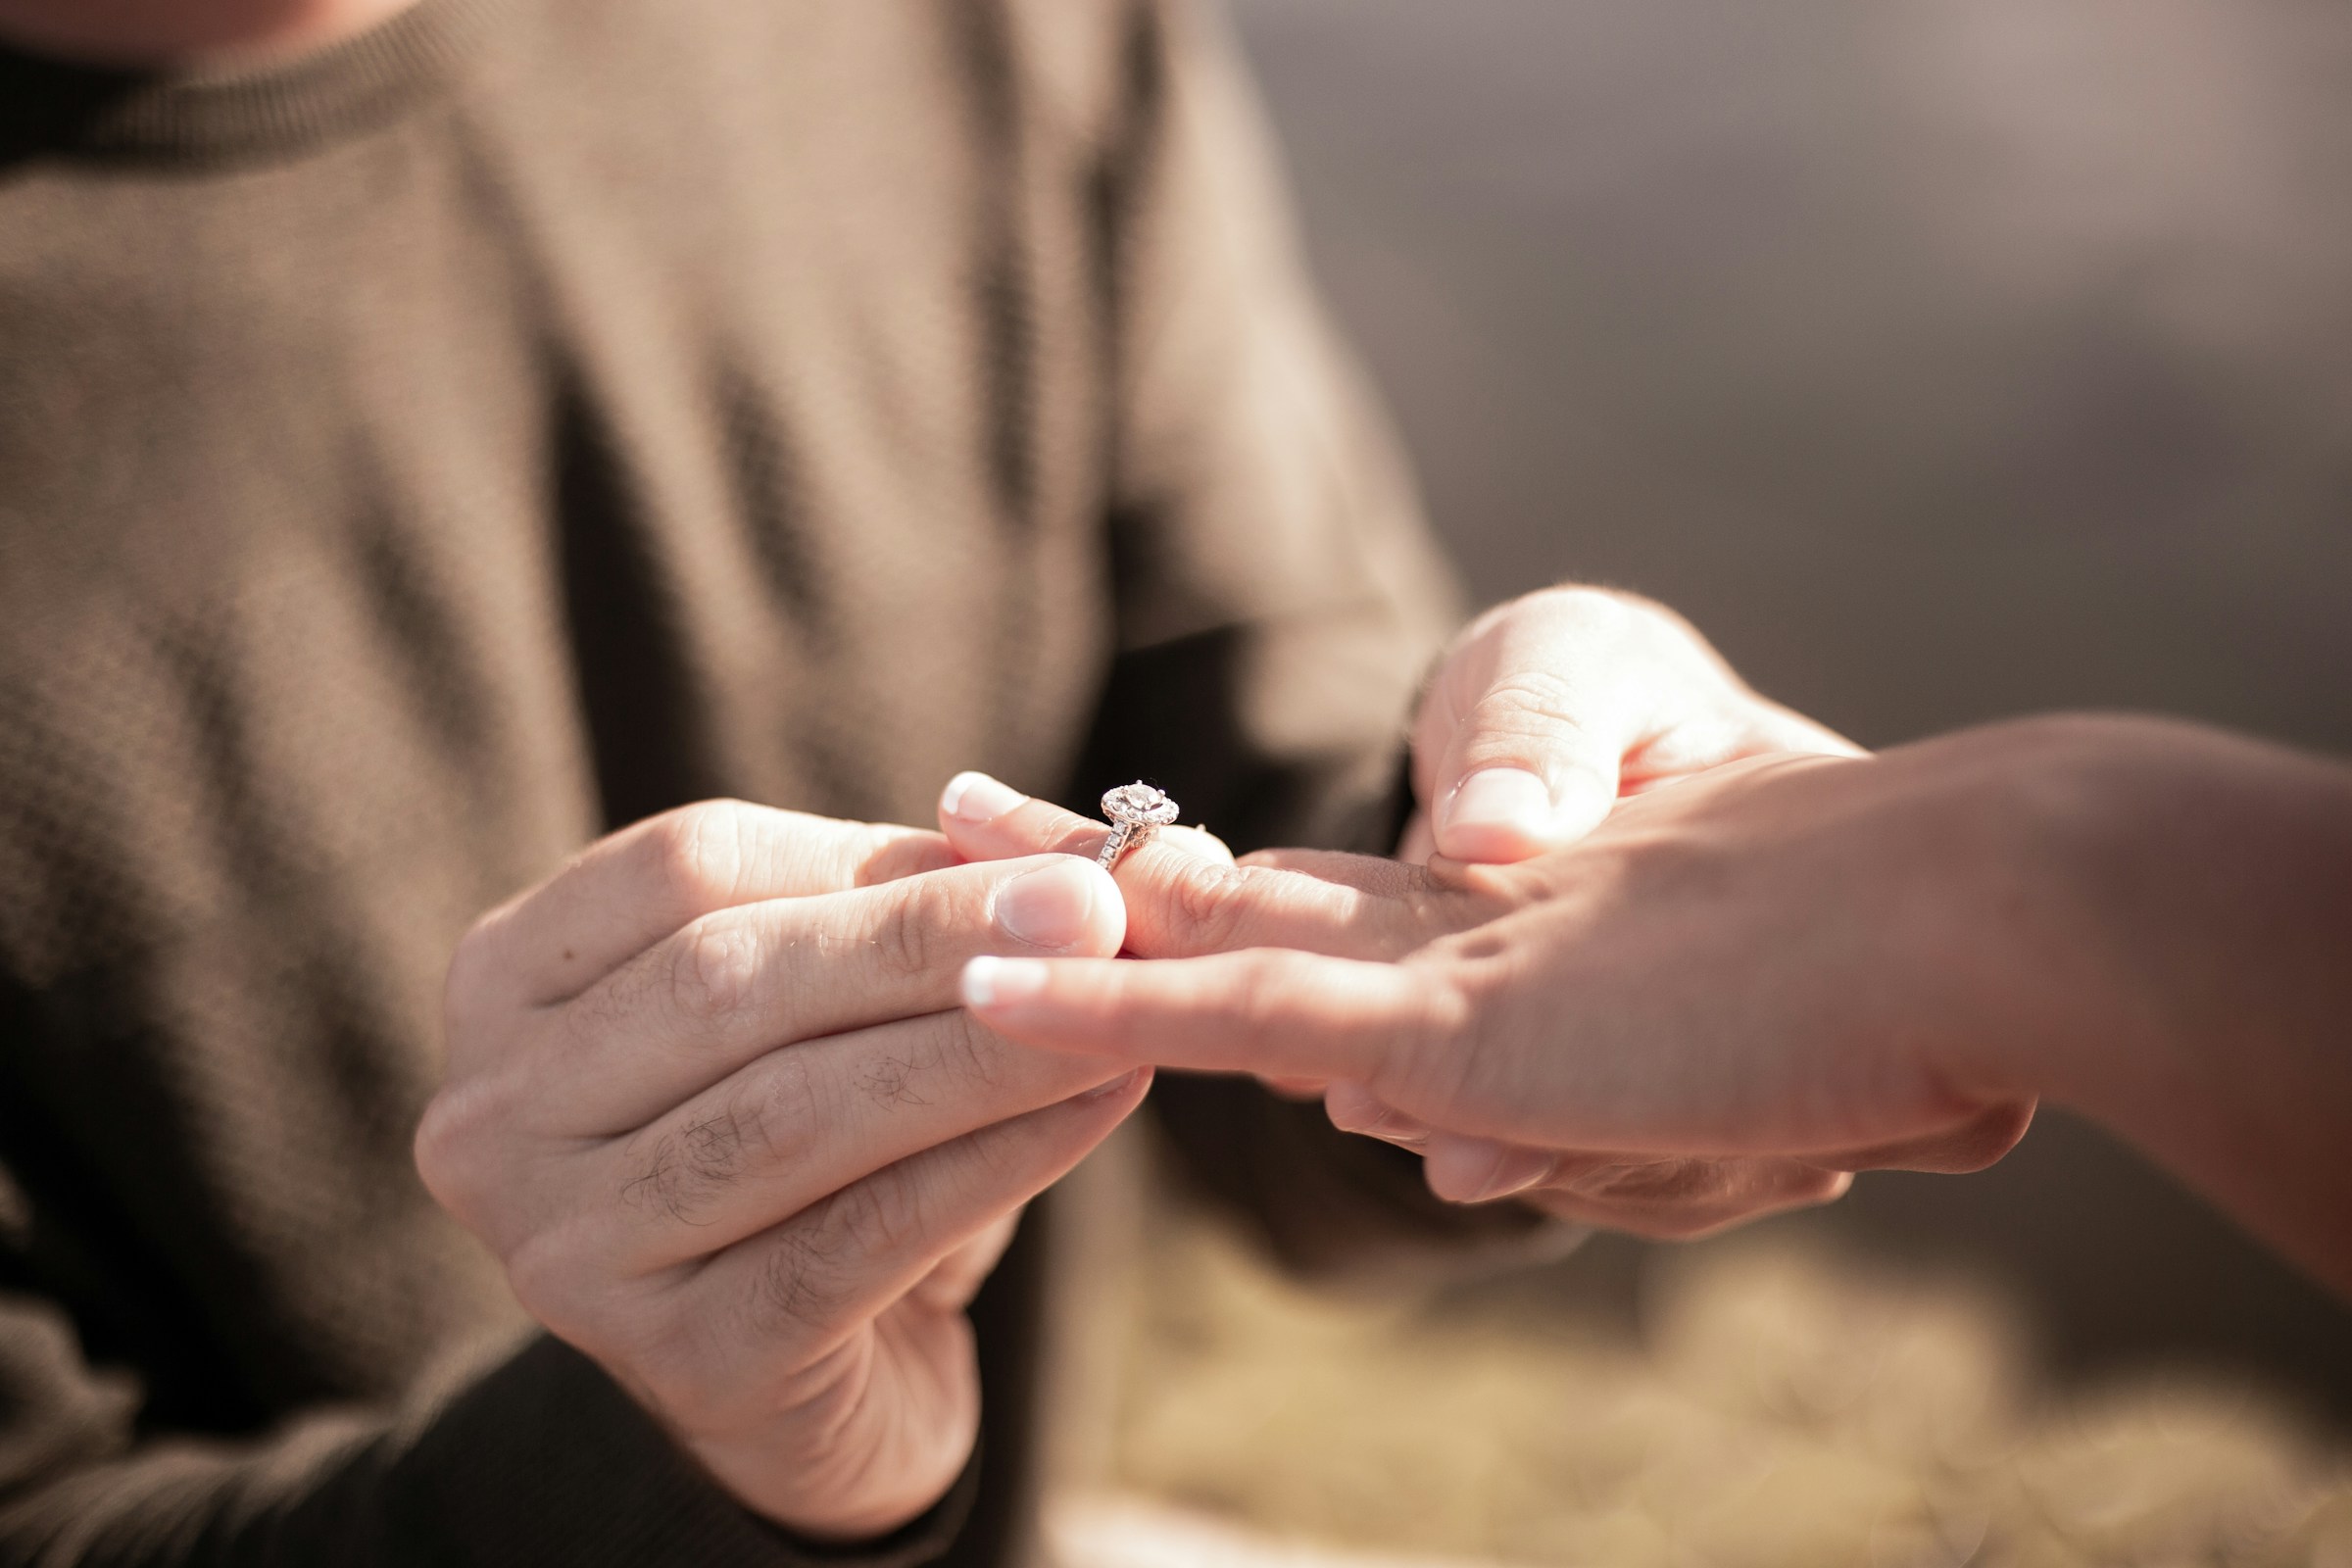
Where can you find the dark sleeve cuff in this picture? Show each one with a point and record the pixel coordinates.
(547, 1462)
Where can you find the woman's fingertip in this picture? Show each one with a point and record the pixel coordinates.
(1122, 1084)
(1353, 1109)
(992, 983)
(1515, 1172)
(1478, 1171)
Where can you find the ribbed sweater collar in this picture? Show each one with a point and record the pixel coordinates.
(51, 106)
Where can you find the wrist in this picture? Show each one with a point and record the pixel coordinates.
(2181, 888)
(812, 1478)
(2026, 823)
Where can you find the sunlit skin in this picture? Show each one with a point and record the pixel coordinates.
(1737, 990)
(1549, 707)
(180, 32)
(711, 1101)
(1572, 698)
(721, 1213)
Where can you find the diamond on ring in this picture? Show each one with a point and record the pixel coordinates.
(1134, 809)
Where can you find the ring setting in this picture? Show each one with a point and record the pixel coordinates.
(1135, 810)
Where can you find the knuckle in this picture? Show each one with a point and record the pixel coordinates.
(679, 1171)
(798, 1284)
(1434, 1037)
(815, 1266)
(1523, 701)
(467, 986)
(713, 1146)
(700, 851)
(1444, 1012)
(439, 1151)
(714, 969)
(879, 1216)
(555, 1282)
(1207, 900)
(1591, 610)
(454, 1145)
(911, 940)
(783, 1100)
(972, 1053)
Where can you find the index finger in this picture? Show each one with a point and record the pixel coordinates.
(1182, 902)
(630, 889)
(1267, 1011)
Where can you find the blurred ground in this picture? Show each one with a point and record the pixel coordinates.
(1944, 359)
(1778, 1407)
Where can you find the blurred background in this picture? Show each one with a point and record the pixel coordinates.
(1943, 359)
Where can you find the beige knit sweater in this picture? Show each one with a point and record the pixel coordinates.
(420, 458)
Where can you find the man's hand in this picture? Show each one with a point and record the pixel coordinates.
(1708, 1010)
(1549, 708)
(711, 1100)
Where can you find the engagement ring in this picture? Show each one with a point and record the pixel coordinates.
(1134, 809)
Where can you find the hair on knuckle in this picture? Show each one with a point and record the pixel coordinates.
(815, 1264)
(682, 1171)
(798, 1283)
(892, 1081)
(656, 1181)
(880, 1215)
(717, 1147)
(972, 1049)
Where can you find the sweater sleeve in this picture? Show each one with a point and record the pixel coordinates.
(1277, 594)
(541, 1460)
(1280, 599)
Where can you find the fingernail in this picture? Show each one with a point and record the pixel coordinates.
(1001, 982)
(1051, 907)
(1118, 1086)
(1511, 799)
(978, 799)
(1515, 1170)
(1353, 1109)
(1402, 1131)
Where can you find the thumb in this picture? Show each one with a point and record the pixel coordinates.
(1521, 773)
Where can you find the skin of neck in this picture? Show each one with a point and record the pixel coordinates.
(152, 33)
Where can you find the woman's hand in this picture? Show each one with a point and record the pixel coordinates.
(1549, 708)
(1726, 997)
